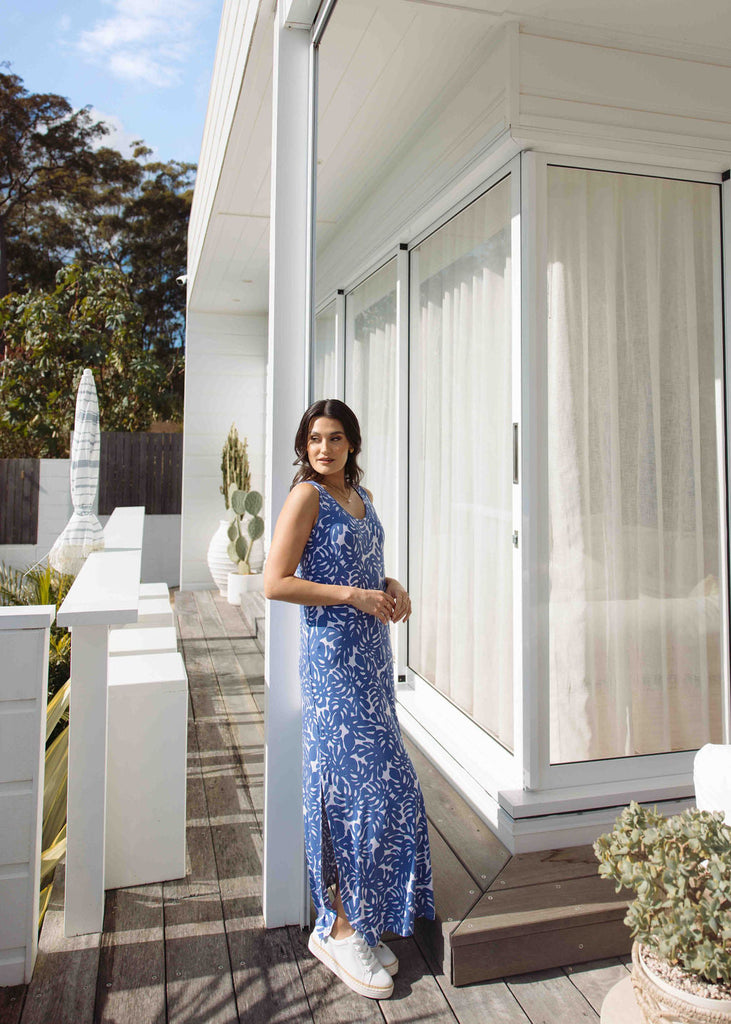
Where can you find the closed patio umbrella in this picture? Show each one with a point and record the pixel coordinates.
(83, 532)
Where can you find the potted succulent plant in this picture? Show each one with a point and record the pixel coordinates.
(680, 870)
(244, 504)
(236, 476)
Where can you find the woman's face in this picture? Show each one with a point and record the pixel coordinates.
(327, 446)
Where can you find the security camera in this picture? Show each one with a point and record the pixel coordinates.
(182, 280)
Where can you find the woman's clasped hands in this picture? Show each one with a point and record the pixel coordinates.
(390, 605)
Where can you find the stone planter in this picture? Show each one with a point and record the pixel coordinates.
(662, 1003)
(240, 583)
(219, 564)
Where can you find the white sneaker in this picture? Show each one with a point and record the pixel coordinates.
(354, 962)
(387, 958)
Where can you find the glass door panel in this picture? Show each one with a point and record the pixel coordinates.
(634, 337)
(370, 390)
(460, 463)
(324, 382)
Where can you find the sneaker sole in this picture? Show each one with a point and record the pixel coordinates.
(391, 968)
(369, 991)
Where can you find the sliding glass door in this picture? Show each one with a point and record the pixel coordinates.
(635, 407)
(461, 463)
(370, 390)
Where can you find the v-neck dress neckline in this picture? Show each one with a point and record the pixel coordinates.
(363, 498)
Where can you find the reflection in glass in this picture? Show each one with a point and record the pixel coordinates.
(633, 326)
(324, 382)
(460, 488)
(370, 390)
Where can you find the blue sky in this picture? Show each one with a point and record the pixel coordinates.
(143, 65)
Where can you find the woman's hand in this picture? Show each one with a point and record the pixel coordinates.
(374, 602)
(402, 601)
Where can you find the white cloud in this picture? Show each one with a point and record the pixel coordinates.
(118, 137)
(145, 41)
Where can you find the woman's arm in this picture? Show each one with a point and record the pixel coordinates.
(402, 601)
(293, 529)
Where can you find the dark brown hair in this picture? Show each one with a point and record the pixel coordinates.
(333, 409)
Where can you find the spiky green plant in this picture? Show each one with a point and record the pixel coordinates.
(42, 585)
(234, 466)
(680, 870)
(244, 503)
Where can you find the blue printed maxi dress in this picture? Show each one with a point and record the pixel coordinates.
(363, 806)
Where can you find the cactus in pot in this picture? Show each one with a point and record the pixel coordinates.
(234, 466)
(242, 534)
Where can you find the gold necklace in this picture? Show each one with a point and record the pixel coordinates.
(349, 492)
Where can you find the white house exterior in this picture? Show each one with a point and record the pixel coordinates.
(499, 235)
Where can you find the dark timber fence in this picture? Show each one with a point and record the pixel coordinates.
(19, 484)
(141, 469)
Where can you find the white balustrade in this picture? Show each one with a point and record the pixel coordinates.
(23, 694)
(128, 728)
(105, 593)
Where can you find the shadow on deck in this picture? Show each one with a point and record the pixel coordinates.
(196, 950)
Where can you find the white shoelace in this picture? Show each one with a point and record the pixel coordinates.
(367, 956)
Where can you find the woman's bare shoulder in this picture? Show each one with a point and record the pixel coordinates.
(304, 495)
(370, 496)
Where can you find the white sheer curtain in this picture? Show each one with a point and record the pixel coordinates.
(460, 497)
(324, 384)
(633, 300)
(370, 390)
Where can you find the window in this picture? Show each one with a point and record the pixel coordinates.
(460, 472)
(633, 362)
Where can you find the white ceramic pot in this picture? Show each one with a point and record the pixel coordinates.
(219, 564)
(240, 583)
(662, 1003)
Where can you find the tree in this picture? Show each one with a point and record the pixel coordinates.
(90, 319)
(64, 198)
(46, 158)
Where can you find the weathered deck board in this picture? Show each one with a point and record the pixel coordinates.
(479, 849)
(210, 620)
(595, 979)
(63, 989)
(131, 979)
(416, 992)
(548, 997)
(221, 964)
(11, 1003)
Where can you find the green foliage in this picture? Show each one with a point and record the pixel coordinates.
(90, 319)
(42, 585)
(234, 466)
(680, 870)
(244, 503)
(65, 198)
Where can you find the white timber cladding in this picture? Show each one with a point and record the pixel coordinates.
(24, 653)
(225, 383)
(238, 19)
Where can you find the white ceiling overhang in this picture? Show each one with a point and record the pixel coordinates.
(388, 70)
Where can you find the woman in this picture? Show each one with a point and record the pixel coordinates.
(365, 822)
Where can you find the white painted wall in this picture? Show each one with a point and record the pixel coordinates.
(225, 383)
(160, 548)
(23, 687)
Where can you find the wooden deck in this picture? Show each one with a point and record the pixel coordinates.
(196, 950)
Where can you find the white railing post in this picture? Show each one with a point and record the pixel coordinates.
(23, 696)
(105, 593)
